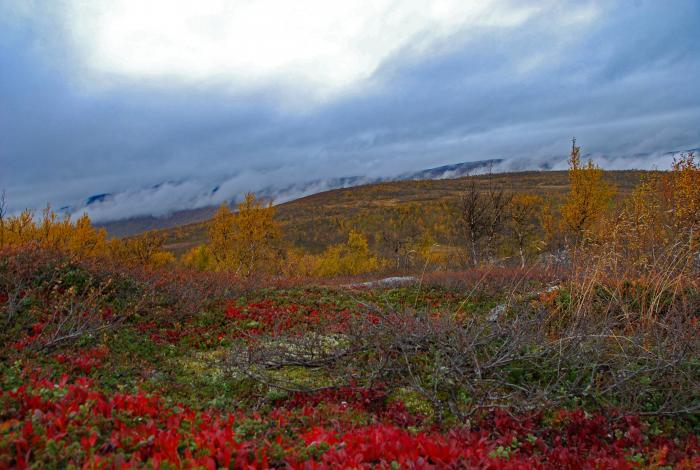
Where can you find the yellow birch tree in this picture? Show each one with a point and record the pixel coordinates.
(588, 198)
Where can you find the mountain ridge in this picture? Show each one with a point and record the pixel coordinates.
(135, 225)
(129, 226)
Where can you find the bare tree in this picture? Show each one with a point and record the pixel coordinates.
(498, 202)
(481, 218)
(473, 219)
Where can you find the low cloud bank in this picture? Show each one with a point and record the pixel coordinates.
(163, 199)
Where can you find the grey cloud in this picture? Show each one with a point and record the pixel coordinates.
(626, 86)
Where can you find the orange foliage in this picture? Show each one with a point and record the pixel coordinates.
(81, 239)
(588, 198)
(247, 242)
(681, 188)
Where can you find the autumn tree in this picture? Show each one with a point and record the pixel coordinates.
(249, 241)
(199, 258)
(20, 229)
(681, 193)
(588, 198)
(350, 258)
(498, 202)
(550, 221)
(53, 232)
(472, 219)
(258, 236)
(640, 223)
(85, 239)
(221, 238)
(523, 221)
(81, 239)
(404, 230)
(663, 211)
(61, 233)
(480, 218)
(145, 250)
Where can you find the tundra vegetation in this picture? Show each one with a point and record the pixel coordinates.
(534, 331)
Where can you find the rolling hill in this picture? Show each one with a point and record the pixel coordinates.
(313, 222)
(135, 225)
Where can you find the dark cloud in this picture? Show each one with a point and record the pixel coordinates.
(624, 85)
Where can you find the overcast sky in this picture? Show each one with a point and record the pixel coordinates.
(118, 96)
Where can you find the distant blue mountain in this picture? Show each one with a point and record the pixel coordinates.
(97, 198)
(455, 170)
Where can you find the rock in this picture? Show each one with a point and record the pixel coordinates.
(496, 312)
(388, 281)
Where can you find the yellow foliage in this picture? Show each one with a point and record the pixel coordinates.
(300, 263)
(247, 242)
(86, 239)
(162, 258)
(145, 250)
(351, 258)
(682, 190)
(641, 219)
(662, 215)
(221, 238)
(588, 198)
(79, 238)
(20, 229)
(345, 259)
(429, 252)
(199, 258)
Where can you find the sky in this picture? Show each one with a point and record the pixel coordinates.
(161, 102)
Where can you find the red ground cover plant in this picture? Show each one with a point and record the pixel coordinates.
(49, 420)
(247, 321)
(267, 316)
(69, 422)
(85, 361)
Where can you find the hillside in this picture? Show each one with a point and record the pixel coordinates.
(313, 222)
(135, 225)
